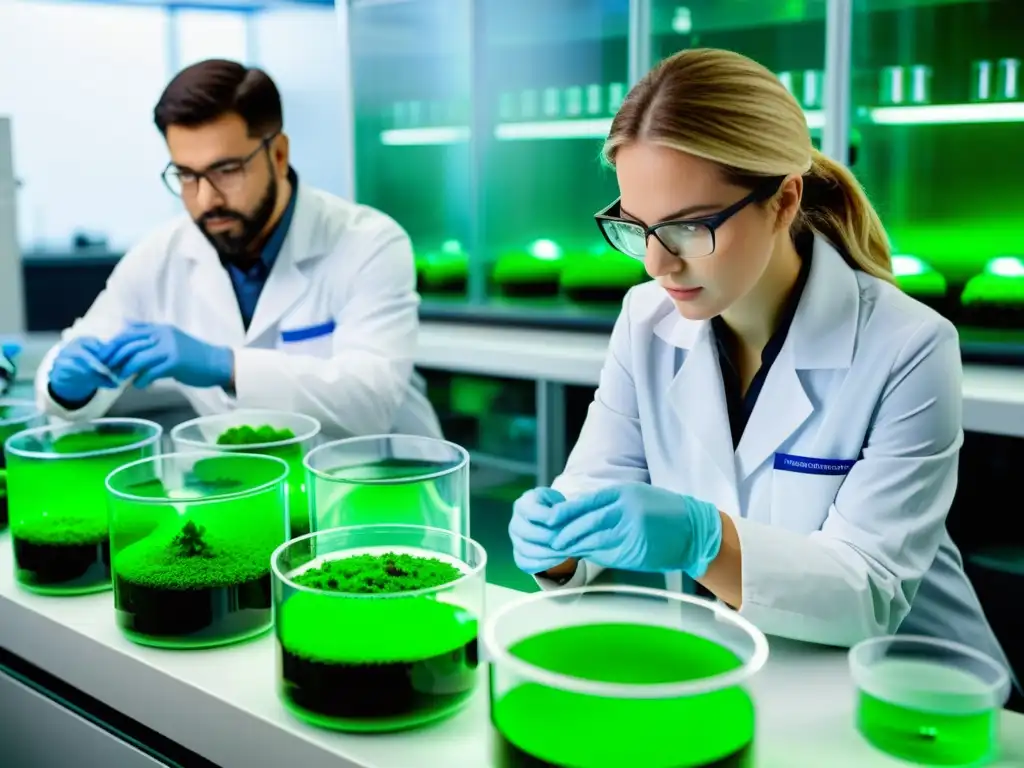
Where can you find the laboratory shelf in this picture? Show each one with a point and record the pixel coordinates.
(804, 697)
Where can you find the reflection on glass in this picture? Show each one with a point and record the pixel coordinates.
(411, 74)
(936, 98)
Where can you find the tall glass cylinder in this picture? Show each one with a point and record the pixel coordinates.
(619, 675)
(377, 625)
(57, 498)
(402, 479)
(191, 535)
(15, 416)
(288, 436)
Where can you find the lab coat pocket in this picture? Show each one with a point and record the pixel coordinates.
(315, 340)
(803, 489)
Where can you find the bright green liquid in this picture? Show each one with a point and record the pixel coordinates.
(538, 726)
(298, 498)
(374, 664)
(928, 737)
(352, 497)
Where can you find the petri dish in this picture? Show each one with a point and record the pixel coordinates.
(15, 416)
(401, 479)
(57, 499)
(637, 676)
(191, 536)
(929, 701)
(288, 436)
(377, 625)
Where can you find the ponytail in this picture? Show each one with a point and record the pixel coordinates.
(835, 206)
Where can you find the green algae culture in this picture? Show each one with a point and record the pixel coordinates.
(15, 416)
(57, 499)
(191, 539)
(631, 684)
(377, 640)
(287, 436)
(400, 479)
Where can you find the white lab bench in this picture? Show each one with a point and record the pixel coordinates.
(222, 703)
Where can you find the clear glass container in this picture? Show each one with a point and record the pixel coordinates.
(58, 505)
(288, 436)
(621, 675)
(403, 479)
(377, 625)
(15, 416)
(191, 536)
(929, 701)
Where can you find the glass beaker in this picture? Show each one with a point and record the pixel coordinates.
(191, 535)
(389, 479)
(929, 701)
(377, 625)
(621, 675)
(15, 416)
(58, 505)
(288, 436)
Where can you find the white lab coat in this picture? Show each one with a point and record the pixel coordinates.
(867, 374)
(340, 262)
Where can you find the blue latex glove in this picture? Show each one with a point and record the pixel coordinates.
(149, 351)
(8, 370)
(638, 527)
(79, 370)
(530, 533)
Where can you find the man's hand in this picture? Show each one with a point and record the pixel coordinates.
(79, 370)
(150, 351)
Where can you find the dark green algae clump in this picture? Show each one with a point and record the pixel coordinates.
(368, 574)
(246, 435)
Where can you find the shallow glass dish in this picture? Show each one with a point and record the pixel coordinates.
(15, 416)
(929, 701)
(288, 436)
(618, 675)
(402, 479)
(57, 499)
(191, 536)
(377, 625)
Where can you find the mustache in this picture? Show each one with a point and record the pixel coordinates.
(222, 213)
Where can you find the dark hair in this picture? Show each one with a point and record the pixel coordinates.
(213, 88)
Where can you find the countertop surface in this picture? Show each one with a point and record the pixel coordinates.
(222, 703)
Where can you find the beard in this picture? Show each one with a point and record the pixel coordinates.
(238, 249)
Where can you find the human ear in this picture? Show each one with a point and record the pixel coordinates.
(787, 202)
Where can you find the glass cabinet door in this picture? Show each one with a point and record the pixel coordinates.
(411, 71)
(937, 99)
(785, 36)
(553, 74)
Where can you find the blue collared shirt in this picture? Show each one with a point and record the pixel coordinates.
(248, 283)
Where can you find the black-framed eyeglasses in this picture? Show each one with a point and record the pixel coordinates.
(685, 238)
(225, 176)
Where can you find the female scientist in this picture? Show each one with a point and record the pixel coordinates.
(774, 418)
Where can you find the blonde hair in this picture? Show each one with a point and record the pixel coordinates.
(726, 108)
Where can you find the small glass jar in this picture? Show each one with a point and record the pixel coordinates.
(621, 675)
(191, 535)
(929, 701)
(15, 416)
(58, 504)
(289, 436)
(377, 625)
(402, 479)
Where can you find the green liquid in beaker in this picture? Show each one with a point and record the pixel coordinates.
(927, 735)
(537, 726)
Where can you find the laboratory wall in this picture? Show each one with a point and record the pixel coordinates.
(79, 81)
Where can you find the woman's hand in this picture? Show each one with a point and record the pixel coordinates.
(531, 533)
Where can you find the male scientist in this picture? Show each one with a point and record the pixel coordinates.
(268, 294)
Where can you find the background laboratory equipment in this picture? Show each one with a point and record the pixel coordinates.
(929, 701)
(15, 415)
(377, 625)
(389, 479)
(637, 676)
(57, 499)
(289, 436)
(191, 536)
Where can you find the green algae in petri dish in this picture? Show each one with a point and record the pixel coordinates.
(58, 507)
(289, 450)
(923, 735)
(708, 730)
(359, 663)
